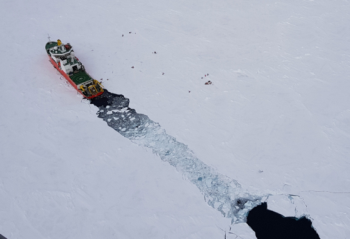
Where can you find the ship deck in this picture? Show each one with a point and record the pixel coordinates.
(80, 77)
(50, 45)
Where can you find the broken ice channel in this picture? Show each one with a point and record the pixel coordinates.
(220, 192)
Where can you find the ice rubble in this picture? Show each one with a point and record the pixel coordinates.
(220, 192)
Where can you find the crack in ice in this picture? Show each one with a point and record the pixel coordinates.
(220, 192)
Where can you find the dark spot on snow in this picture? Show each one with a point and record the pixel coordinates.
(104, 99)
(99, 101)
(200, 179)
(240, 202)
(268, 224)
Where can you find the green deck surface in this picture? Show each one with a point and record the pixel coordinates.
(50, 44)
(80, 77)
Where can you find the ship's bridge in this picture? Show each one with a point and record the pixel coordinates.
(63, 55)
(61, 51)
(70, 64)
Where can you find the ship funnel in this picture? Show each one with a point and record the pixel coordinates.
(59, 42)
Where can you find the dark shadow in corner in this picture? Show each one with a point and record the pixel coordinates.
(271, 225)
(2, 237)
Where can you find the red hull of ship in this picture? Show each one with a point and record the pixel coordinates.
(70, 80)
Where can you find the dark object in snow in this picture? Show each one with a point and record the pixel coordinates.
(98, 101)
(189, 91)
(154, 52)
(163, 73)
(62, 58)
(2, 237)
(208, 83)
(103, 100)
(271, 225)
(129, 32)
(123, 35)
(132, 67)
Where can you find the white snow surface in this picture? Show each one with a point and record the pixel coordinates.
(276, 117)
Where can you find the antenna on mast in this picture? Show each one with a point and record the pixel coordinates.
(48, 36)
